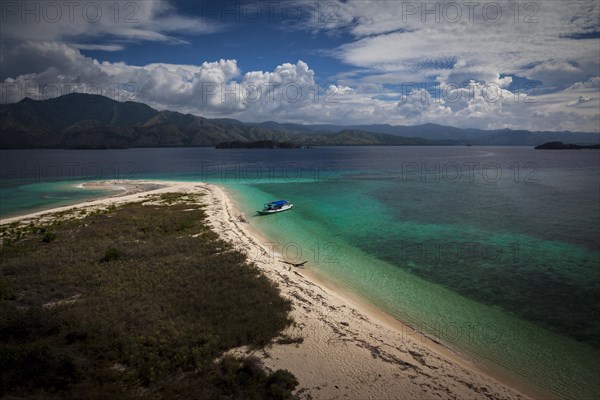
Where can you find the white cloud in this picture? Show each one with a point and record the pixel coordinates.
(592, 83)
(101, 47)
(290, 93)
(155, 20)
(401, 42)
(580, 100)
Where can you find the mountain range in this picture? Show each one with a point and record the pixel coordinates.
(81, 120)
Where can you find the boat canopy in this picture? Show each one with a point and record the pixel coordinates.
(278, 203)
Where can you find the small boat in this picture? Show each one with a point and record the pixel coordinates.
(275, 207)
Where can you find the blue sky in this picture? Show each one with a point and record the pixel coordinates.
(259, 45)
(503, 64)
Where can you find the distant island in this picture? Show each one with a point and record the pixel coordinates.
(260, 144)
(563, 146)
(98, 147)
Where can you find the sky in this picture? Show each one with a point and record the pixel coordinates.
(489, 65)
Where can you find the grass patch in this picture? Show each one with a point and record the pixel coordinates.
(136, 302)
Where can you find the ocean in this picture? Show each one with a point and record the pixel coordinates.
(494, 251)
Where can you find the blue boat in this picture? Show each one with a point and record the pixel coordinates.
(275, 207)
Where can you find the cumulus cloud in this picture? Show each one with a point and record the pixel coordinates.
(491, 106)
(415, 104)
(211, 88)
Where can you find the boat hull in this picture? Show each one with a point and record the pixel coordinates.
(268, 212)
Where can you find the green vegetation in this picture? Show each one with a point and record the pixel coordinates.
(49, 237)
(139, 301)
(567, 146)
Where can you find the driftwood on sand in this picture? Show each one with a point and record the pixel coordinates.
(299, 265)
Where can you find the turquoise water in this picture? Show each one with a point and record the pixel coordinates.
(502, 267)
(23, 199)
(476, 298)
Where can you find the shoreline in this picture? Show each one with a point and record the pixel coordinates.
(112, 188)
(349, 347)
(382, 318)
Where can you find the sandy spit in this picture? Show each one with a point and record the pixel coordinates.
(339, 347)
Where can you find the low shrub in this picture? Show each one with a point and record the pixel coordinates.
(49, 237)
(111, 254)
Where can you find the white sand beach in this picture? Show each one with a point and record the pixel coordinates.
(348, 349)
